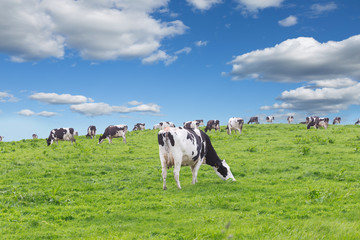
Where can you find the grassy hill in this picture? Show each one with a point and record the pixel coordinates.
(292, 183)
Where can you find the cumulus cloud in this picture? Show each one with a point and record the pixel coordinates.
(7, 97)
(203, 4)
(29, 113)
(26, 112)
(106, 30)
(300, 59)
(98, 109)
(289, 21)
(159, 56)
(54, 98)
(253, 6)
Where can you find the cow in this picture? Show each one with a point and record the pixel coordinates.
(193, 124)
(308, 119)
(253, 120)
(336, 120)
(1, 138)
(270, 119)
(212, 124)
(34, 136)
(290, 119)
(189, 147)
(163, 125)
(358, 122)
(114, 131)
(235, 124)
(76, 133)
(317, 122)
(91, 131)
(139, 126)
(62, 134)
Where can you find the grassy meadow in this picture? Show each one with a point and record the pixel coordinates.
(292, 183)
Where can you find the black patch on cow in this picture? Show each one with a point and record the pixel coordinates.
(196, 140)
(71, 131)
(161, 139)
(60, 132)
(171, 138)
(211, 156)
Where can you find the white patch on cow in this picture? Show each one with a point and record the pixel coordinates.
(236, 124)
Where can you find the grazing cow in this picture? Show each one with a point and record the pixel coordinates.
(189, 147)
(114, 131)
(235, 124)
(35, 136)
(358, 122)
(139, 126)
(91, 131)
(193, 124)
(1, 138)
(163, 125)
(253, 120)
(62, 134)
(337, 120)
(212, 124)
(290, 119)
(76, 133)
(317, 122)
(270, 119)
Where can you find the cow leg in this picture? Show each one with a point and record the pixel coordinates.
(177, 167)
(110, 140)
(164, 170)
(124, 138)
(195, 169)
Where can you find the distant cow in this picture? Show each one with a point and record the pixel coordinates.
(1, 138)
(236, 124)
(270, 119)
(337, 120)
(163, 125)
(358, 122)
(253, 120)
(308, 119)
(139, 126)
(193, 124)
(189, 147)
(317, 122)
(91, 131)
(34, 136)
(114, 131)
(62, 134)
(76, 133)
(290, 119)
(212, 124)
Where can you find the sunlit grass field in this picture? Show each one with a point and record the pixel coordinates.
(292, 183)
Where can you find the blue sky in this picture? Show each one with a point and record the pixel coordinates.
(73, 63)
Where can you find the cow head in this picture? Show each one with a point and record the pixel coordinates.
(101, 139)
(223, 171)
(48, 141)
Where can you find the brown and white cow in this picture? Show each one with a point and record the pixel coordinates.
(34, 136)
(114, 131)
(139, 126)
(62, 134)
(189, 147)
(235, 123)
(290, 119)
(212, 124)
(91, 131)
(337, 120)
(253, 120)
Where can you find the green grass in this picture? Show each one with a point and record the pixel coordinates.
(292, 183)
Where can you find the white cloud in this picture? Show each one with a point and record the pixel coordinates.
(203, 4)
(300, 59)
(111, 29)
(321, 8)
(54, 98)
(98, 109)
(333, 83)
(289, 21)
(26, 112)
(159, 56)
(253, 6)
(6, 97)
(47, 114)
(185, 50)
(134, 103)
(201, 43)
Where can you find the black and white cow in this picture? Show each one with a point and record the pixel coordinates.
(236, 124)
(193, 124)
(317, 122)
(62, 134)
(253, 120)
(270, 119)
(290, 119)
(139, 126)
(308, 119)
(91, 131)
(163, 125)
(357, 122)
(34, 136)
(212, 124)
(114, 131)
(337, 120)
(189, 147)
(1, 138)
